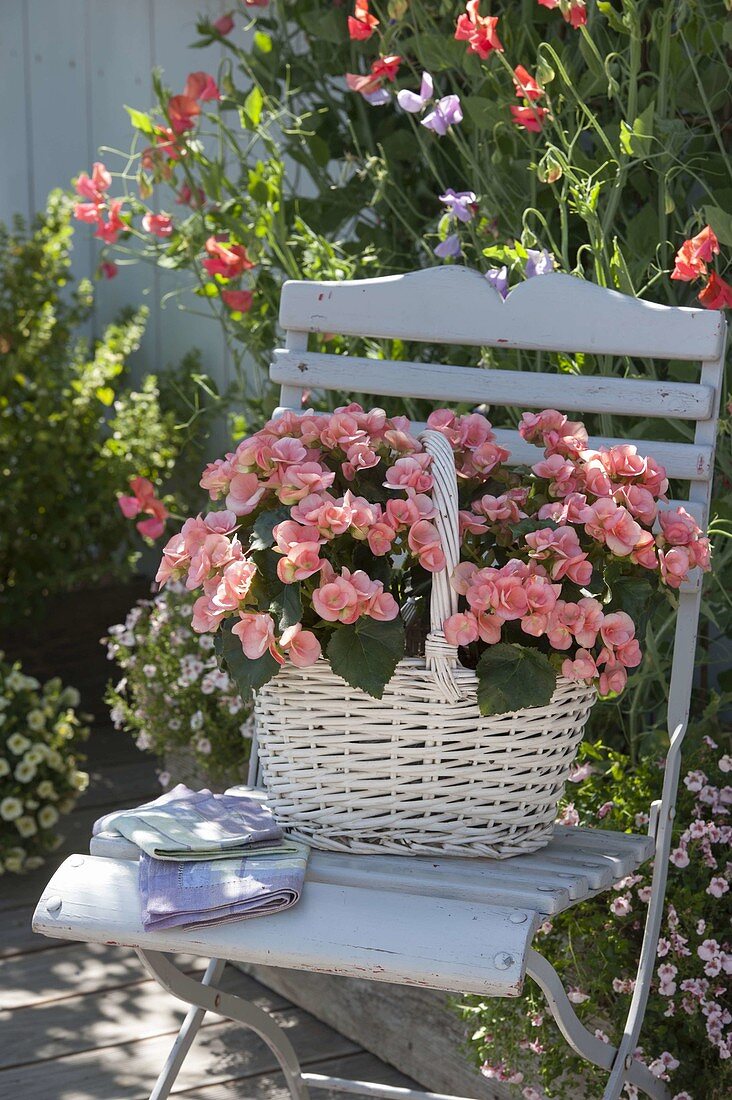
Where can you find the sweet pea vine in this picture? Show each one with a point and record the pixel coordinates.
(328, 524)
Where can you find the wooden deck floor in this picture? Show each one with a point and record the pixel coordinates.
(80, 1021)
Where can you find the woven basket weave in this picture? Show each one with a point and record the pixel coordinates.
(419, 769)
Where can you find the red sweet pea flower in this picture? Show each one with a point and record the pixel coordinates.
(694, 255)
(529, 118)
(109, 231)
(386, 68)
(361, 25)
(224, 25)
(716, 294)
(479, 31)
(227, 259)
(238, 300)
(573, 12)
(108, 269)
(182, 112)
(160, 225)
(526, 86)
(201, 86)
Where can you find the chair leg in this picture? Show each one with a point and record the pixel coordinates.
(186, 1035)
(208, 998)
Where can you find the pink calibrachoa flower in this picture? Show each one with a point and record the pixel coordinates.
(479, 31)
(160, 225)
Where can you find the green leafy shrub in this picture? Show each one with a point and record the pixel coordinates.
(72, 431)
(40, 739)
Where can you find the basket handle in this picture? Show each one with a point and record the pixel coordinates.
(441, 657)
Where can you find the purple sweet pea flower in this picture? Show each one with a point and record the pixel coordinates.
(445, 113)
(539, 262)
(460, 204)
(377, 98)
(410, 101)
(498, 278)
(449, 247)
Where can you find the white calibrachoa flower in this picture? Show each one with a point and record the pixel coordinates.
(171, 688)
(39, 765)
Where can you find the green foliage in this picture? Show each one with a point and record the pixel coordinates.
(511, 677)
(40, 741)
(72, 431)
(172, 697)
(366, 653)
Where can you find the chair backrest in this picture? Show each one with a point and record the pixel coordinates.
(454, 305)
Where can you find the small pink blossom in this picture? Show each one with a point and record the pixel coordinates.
(302, 647)
(620, 907)
(160, 225)
(717, 887)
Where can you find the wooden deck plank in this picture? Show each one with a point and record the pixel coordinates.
(108, 1016)
(356, 1067)
(126, 1070)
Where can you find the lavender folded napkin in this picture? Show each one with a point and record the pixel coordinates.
(198, 825)
(191, 894)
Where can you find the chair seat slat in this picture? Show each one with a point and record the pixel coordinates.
(450, 384)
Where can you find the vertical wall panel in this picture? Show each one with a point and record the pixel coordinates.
(16, 164)
(120, 59)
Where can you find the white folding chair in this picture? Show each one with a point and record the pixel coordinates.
(464, 925)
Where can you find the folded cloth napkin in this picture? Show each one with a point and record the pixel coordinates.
(198, 825)
(192, 894)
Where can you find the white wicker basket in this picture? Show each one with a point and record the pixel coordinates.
(420, 769)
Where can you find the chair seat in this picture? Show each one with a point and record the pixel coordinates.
(456, 924)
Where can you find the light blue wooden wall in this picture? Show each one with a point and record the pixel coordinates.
(67, 68)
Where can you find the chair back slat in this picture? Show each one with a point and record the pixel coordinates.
(454, 305)
(444, 383)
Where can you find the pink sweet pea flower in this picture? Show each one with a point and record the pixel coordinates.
(226, 259)
(238, 301)
(413, 102)
(87, 212)
(201, 86)
(479, 31)
(144, 500)
(109, 269)
(94, 187)
(224, 25)
(182, 112)
(161, 225)
(302, 647)
(109, 230)
(445, 113)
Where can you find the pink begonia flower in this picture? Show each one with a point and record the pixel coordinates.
(160, 225)
(410, 473)
(216, 478)
(301, 562)
(255, 631)
(612, 524)
(424, 542)
(337, 601)
(201, 86)
(613, 679)
(220, 523)
(489, 628)
(675, 565)
(679, 528)
(302, 647)
(206, 618)
(644, 551)
(383, 607)
(235, 585)
(174, 561)
(639, 501)
(244, 494)
(461, 629)
(583, 667)
(617, 629)
(300, 480)
(560, 472)
(462, 576)
(380, 537)
(484, 460)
